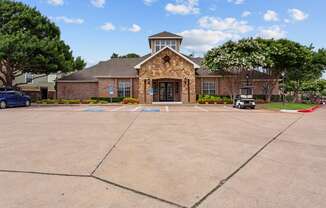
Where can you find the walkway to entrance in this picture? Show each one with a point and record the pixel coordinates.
(167, 90)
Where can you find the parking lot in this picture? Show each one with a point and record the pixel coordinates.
(161, 156)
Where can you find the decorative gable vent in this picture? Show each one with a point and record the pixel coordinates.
(166, 59)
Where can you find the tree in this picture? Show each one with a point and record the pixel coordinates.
(312, 65)
(30, 43)
(283, 57)
(313, 89)
(129, 55)
(234, 60)
(114, 55)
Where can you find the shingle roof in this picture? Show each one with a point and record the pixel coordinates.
(116, 67)
(124, 67)
(165, 34)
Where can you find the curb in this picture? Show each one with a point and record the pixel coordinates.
(309, 110)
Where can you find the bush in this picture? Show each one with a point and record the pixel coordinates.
(212, 99)
(47, 101)
(260, 101)
(130, 100)
(107, 99)
(87, 102)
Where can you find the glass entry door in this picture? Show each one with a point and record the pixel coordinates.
(166, 91)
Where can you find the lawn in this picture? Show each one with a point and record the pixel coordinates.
(287, 106)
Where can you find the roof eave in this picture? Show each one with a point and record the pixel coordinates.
(196, 66)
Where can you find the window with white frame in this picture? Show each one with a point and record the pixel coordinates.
(209, 87)
(159, 44)
(28, 78)
(124, 88)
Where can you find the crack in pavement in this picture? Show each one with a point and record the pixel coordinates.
(222, 182)
(96, 178)
(138, 192)
(115, 144)
(44, 173)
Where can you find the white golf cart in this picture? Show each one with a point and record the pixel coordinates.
(245, 99)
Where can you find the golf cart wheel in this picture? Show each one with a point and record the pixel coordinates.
(253, 107)
(3, 105)
(27, 103)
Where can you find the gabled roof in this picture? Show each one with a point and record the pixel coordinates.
(196, 66)
(165, 34)
(116, 67)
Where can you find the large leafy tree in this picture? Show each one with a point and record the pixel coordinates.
(234, 60)
(30, 43)
(272, 57)
(283, 57)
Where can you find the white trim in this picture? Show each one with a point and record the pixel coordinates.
(167, 103)
(159, 38)
(138, 66)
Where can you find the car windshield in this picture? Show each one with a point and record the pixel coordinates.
(246, 91)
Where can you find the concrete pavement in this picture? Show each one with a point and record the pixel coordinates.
(183, 157)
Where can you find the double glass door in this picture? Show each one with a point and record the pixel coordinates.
(166, 91)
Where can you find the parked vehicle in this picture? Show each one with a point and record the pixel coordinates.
(245, 99)
(13, 99)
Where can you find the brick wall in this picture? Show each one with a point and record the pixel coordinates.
(222, 86)
(74, 90)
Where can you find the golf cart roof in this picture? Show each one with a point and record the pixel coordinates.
(247, 87)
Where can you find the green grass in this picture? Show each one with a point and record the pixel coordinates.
(287, 106)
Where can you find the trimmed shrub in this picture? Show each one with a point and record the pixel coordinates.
(212, 99)
(129, 100)
(107, 99)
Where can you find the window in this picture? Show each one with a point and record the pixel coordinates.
(124, 88)
(29, 78)
(159, 44)
(209, 87)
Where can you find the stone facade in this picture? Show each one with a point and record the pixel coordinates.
(176, 68)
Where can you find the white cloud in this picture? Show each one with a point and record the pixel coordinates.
(183, 7)
(68, 20)
(228, 24)
(108, 26)
(56, 2)
(275, 32)
(149, 2)
(200, 40)
(297, 15)
(135, 28)
(236, 1)
(245, 14)
(98, 3)
(270, 15)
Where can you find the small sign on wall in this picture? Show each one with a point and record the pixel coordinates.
(111, 92)
(151, 91)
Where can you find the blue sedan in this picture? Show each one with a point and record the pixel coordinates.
(13, 99)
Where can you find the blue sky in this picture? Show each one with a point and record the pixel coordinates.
(96, 28)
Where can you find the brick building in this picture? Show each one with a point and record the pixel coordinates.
(164, 75)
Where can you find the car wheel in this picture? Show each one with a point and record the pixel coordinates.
(27, 103)
(3, 105)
